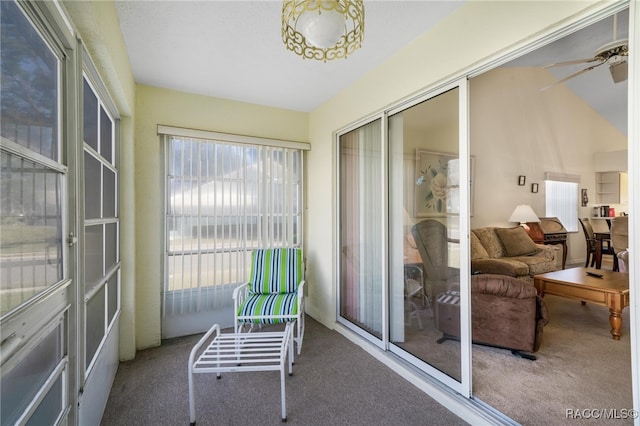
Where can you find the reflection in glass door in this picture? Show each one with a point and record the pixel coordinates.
(361, 229)
(424, 233)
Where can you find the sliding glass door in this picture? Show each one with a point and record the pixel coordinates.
(424, 233)
(404, 183)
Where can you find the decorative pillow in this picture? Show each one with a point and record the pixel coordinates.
(477, 249)
(490, 241)
(516, 241)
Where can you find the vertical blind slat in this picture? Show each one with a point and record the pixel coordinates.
(198, 235)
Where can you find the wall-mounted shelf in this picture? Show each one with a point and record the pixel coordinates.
(611, 187)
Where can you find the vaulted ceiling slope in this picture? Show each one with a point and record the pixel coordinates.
(595, 87)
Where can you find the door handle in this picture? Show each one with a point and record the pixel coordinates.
(72, 240)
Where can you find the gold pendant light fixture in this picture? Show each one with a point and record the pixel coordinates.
(323, 29)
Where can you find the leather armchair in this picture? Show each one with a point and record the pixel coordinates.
(506, 312)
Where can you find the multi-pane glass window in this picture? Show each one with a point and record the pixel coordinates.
(223, 200)
(31, 237)
(31, 175)
(101, 222)
(36, 377)
(34, 383)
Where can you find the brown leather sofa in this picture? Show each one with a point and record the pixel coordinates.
(506, 312)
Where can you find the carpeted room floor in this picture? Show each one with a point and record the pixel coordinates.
(579, 366)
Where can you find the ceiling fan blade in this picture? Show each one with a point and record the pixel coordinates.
(576, 61)
(575, 74)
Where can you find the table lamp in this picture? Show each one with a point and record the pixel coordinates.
(522, 214)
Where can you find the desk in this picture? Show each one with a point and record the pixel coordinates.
(549, 231)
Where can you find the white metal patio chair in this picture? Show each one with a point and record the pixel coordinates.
(274, 293)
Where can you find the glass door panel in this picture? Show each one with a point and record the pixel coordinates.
(424, 233)
(361, 228)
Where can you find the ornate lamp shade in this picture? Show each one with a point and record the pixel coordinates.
(323, 29)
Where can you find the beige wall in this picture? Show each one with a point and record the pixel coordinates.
(160, 106)
(518, 130)
(475, 32)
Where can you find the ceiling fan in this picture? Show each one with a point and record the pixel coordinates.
(614, 53)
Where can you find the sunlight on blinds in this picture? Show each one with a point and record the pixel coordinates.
(223, 200)
(561, 196)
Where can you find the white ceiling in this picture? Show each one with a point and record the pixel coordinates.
(233, 50)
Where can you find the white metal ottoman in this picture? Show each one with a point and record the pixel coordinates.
(237, 352)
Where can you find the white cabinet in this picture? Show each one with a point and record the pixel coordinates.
(611, 188)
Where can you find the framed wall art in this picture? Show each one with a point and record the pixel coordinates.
(437, 185)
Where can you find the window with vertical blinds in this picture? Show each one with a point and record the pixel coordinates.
(225, 198)
(561, 198)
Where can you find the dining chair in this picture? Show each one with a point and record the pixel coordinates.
(620, 241)
(596, 247)
(590, 240)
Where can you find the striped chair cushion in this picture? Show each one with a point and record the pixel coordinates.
(275, 271)
(256, 305)
(451, 297)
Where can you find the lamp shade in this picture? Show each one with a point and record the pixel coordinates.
(523, 213)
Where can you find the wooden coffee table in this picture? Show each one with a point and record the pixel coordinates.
(612, 290)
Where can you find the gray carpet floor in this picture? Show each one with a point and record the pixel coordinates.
(579, 367)
(334, 382)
